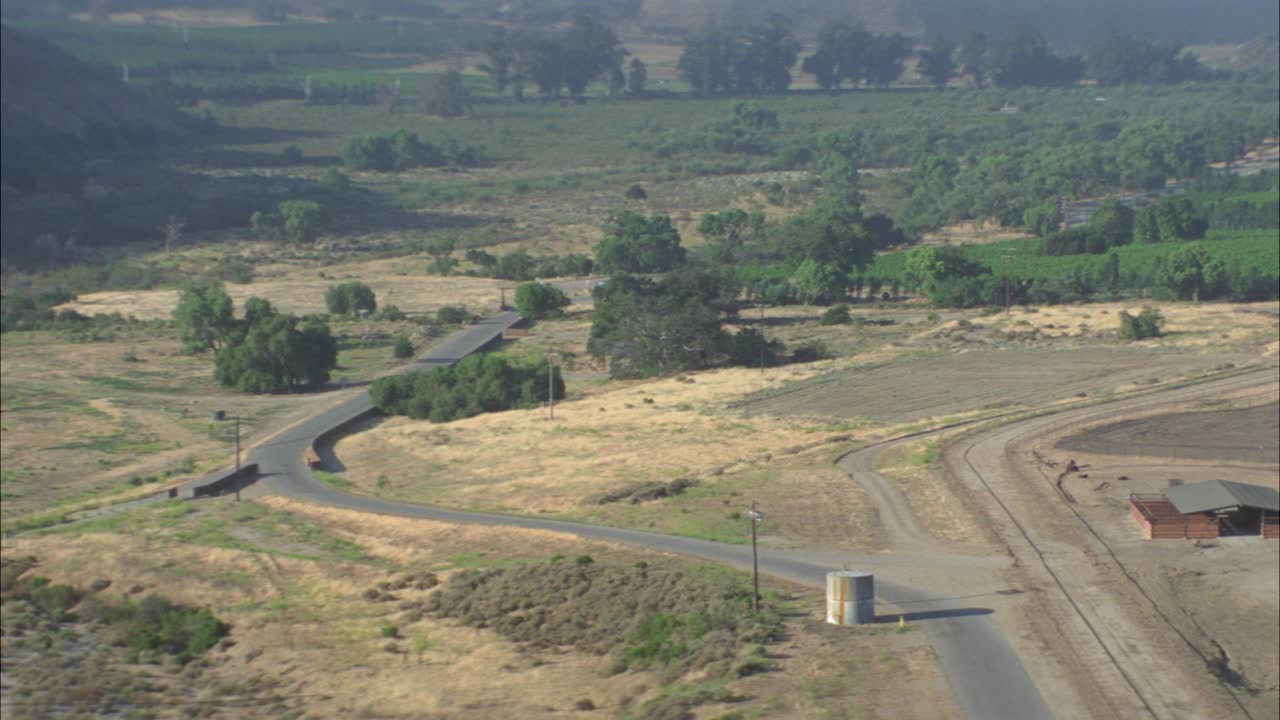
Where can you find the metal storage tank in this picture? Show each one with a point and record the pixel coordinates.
(851, 597)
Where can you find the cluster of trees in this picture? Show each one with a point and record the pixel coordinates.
(850, 53)
(648, 327)
(520, 265)
(1172, 219)
(951, 277)
(586, 51)
(1117, 59)
(635, 243)
(748, 130)
(263, 351)
(295, 221)
(403, 150)
(477, 384)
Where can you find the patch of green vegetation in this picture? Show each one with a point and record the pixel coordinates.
(698, 511)
(333, 481)
(671, 618)
(247, 526)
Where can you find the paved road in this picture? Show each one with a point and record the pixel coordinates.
(985, 673)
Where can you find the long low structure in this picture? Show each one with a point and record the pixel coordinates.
(1208, 510)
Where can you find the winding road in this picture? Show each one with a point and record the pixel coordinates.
(984, 671)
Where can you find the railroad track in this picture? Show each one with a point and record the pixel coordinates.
(1120, 651)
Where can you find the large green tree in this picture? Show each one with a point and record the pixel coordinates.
(205, 317)
(274, 354)
(1190, 273)
(635, 243)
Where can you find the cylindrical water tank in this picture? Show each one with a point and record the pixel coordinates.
(851, 597)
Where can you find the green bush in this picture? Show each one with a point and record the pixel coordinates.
(835, 315)
(156, 624)
(536, 300)
(1147, 324)
(403, 348)
(350, 298)
(452, 315)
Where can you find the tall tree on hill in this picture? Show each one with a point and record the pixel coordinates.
(973, 56)
(884, 61)
(637, 77)
(937, 63)
(1023, 58)
(769, 52)
(706, 60)
(589, 49)
(842, 55)
(501, 60)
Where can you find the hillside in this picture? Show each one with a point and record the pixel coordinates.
(44, 92)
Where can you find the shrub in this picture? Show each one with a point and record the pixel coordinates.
(636, 192)
(403, 348)
(390, 631)
(835, 315)
(156, 624)
(539, 300)
(350, 299)
(811, 351)
(452, 315)
(1145, 325)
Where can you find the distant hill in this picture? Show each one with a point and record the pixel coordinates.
(46, 93)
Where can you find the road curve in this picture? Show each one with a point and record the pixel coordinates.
(986, 675)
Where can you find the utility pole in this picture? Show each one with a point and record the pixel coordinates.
(756, 516)
(551, 388)
(1008, 259)
(219, 416)
(762, 341)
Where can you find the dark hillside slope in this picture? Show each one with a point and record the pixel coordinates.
(44, 92)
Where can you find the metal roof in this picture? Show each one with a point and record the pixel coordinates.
(1219, 494)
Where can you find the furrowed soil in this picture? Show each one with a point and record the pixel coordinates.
(1026, 360)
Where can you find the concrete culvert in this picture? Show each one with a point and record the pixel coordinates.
(851, 597)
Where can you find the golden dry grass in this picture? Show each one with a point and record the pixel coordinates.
(1187, 326)
(302, 631)
(301, 290)
(656, 430)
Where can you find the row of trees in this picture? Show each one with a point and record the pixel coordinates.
(1172, 219)
(650, 327)
(950, 278)
(731, 59)
(403, 150)
(570, 60)
(262, 351)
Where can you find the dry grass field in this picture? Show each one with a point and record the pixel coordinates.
(291, 580)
